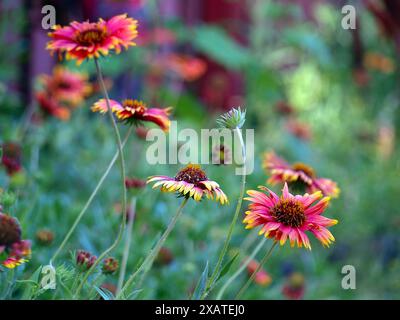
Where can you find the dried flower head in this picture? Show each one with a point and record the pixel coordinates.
(233, 119)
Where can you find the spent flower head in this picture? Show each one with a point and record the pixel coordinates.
(110, 265)
(233, 119)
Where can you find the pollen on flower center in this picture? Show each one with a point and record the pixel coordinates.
(191, 174)
(134, 106)
(91, 36)
(299, 166)
(289, 212)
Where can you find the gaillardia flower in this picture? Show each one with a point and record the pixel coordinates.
(298, 176)
(135, 111)
(81, 40)
(190, 182)
(289, 216)
(66, 85)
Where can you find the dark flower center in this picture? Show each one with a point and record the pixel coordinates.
(289, 212)
(299, 166)
(91, 36)
(134, 106)
(191, 174)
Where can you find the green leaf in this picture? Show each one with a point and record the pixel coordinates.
(201, 285)
(217, 44)
(227, 267)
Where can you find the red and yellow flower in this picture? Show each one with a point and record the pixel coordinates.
(190, 182)
(289, 217)
(66, 85)
(262, 278)
(135, 111)
(82, 40)
(298, 175)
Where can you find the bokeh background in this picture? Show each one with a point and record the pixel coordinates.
(313, 91)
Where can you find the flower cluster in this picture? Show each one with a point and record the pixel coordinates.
(11, 157)
(13, 250)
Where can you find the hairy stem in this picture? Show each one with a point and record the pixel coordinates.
(224, 250)
(122, 171)
(147, 263)
(240, 270)
(247, 284)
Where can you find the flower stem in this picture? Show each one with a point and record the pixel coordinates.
(216, 271)
(247, 284)
(123, 189)
(128, 240)
(89, 201)
(240, 270)
(147, 263)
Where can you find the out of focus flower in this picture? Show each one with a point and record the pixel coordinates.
(109, 287)
(81, 40)
(299, 176)
(294, 287)
(66, 86)
(190, 182)
(157, 36)
(378, 62)
(186, 67)
(233, 119)
(51, 106)
(11, 157)
(164, 257)
(289, 217)
(284, 108)
(13, 250)
(386, 141)
(221, 155)
(45, 237)
(110, 265)
(299, 129)
(361, 77)
(85, 260)
(262, 278)
(135, 111)
(134, 183)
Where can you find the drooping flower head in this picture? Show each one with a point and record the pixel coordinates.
(135, 111)
(289, 216)
(66, 86)
(299, 176)
(190, 182)
(81, 40)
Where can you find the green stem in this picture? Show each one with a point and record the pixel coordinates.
(216, 271)
(89, 201)
(240, 270)
(247, 284)
(147, 263)
(122, 170)
(128, 240)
